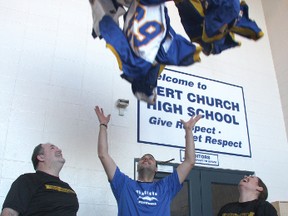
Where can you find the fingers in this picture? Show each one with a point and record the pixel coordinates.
(101, 116)
(191, 122)
(98, 110)
(108, 117)
(197, 118)
(193, 119)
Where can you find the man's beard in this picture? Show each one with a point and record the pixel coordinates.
(145, 170)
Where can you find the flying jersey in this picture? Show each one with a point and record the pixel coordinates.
(245, 26)
(145, 28)
(207, 23)
(100, 8)
(220, 16)
(212, 24)
(146, 44)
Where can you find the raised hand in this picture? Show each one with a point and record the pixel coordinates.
(101, 116)
(191, 122)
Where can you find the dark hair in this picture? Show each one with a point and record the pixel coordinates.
(37, 150)
(264, 193)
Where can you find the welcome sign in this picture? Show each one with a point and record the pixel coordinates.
(223, 128)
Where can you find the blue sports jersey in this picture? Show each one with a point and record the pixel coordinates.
(220, 16)
(131, 65)
(136, 198)
(145, 27)
(192, 17)
(212, 24)
(207, 23)
(137, 55)
(245, 26)
(101, 8)
(145, 45)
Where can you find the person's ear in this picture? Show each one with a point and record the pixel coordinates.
(259, 189)
(40, 157)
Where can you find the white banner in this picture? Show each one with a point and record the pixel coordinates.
(223, 128)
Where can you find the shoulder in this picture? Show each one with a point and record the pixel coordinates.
(171, 182)
(174, 176)
(24, 182)
(265, 204)
(231, 204)
(120, 176)
(31, 178)
(228, 208)
(26, 177)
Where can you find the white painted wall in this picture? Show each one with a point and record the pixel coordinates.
(275, 14)
(53, 73)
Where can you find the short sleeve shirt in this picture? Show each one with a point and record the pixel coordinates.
(41, 194)
(144, 198)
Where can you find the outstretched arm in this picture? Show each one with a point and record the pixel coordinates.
(106, 160)
(184, 168)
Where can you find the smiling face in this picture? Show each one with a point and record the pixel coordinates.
(51, 155)
(147, 162)
(251, 184)
(252, 179)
